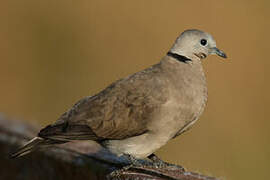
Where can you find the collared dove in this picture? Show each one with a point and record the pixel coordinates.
(139, 114)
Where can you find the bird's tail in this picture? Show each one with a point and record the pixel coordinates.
(30, 146)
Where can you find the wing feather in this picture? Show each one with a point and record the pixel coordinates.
(121, 110)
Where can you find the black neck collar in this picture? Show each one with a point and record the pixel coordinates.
(178, 57)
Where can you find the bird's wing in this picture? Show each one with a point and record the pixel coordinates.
(121, 110)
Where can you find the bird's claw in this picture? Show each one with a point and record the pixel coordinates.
(134, 162)
(158, 163)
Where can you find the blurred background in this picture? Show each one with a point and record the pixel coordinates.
(54, 52)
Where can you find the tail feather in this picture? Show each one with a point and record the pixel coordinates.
(32, 145)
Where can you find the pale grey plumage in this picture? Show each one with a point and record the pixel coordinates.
(139, 114)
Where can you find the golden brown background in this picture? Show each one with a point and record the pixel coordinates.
(54, 52)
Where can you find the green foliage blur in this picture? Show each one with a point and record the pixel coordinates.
(52, 53)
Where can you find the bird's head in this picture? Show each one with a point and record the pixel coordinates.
(195, 44)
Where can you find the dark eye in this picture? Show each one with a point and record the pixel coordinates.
(203, 42)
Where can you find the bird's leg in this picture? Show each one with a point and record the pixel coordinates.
(157, 162)
(136, 162)
(133, 162)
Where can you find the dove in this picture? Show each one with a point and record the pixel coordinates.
(140, 113)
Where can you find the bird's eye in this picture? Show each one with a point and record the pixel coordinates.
(203, 42)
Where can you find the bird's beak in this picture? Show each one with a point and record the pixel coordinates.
(218, 52)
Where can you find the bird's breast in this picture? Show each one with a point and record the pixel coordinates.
(186, 101)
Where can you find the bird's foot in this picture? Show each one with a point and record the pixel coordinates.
(158, 163)
(131, 162)
(140, 163)
(134, 162)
